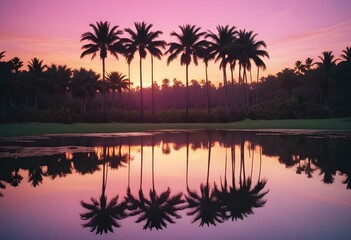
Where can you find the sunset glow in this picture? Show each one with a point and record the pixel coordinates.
(293, 30)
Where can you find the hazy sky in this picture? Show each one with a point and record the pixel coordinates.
(293, 30)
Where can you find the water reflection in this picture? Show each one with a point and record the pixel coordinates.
(156, 210)
(229, 195)
(102, 216)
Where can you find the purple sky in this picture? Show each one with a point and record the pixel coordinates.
(293, 30)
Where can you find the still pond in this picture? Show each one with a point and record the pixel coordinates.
(177, 185)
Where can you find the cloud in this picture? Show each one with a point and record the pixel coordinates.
(337, 29)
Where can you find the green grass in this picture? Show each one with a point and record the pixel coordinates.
(26, 129)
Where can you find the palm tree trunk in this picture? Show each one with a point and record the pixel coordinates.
(141, 163)
(208, 160)
(103, 90)
(141, 91)
(240, 86)
(207, 95)
(129, 143)
(225, 90)
(153, 163)
(187, 92)
(258, 76)
(233, 165)
(152, 86)
(187, 161)
(128, 85)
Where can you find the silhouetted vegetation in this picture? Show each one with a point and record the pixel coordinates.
(57, 93)
(234, 196)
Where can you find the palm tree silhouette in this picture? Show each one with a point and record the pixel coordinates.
(102, 216)
(190, 46)
(2, 54)
(35, 175)
(207, 54)
(308, 64)
(2, 186)
(57, 79)
(15, 178)
(158, 210)
(16, 64)
(206, 206)
(118, 160)
(346, 56)
(141, 41)
(154, 48)
(103, 39)
(257, 53)
(238, 202)
(83, 85)
(328, 62)
(221, 43)
(117, 82)
(36, 69)
(85, 163)
(299, 67)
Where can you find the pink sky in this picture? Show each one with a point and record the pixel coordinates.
(293, 30)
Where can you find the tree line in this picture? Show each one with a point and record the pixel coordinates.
(310, 89)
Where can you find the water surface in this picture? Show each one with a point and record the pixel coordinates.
(171, 185)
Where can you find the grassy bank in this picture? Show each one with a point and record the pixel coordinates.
(7, 130)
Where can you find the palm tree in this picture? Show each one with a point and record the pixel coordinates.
(257, 52)
(103, 39)
(36, 70)
(207, 55)
(101, 216)
(299, 67)
(16, 64)
(35, 175)
(141, 41)
(154, 48)
(83, 85)
(2, 54)
(189, 45)
(346, 56)
(117, 82)
(328, 62)
(221, 43)
(57, 80)
(308, 64)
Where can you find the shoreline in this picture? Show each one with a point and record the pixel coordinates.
(34, 129)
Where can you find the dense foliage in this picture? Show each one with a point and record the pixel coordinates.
(59, 94)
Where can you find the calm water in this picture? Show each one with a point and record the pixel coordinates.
(176, 185)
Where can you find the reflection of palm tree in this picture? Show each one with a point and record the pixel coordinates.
(36, 175)
(15, 179)
(59, 167)
(206, 206)
(159, 209)
(238, 202)
(85, 163)
(101, 216)
(118, 160)
(2, 186)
